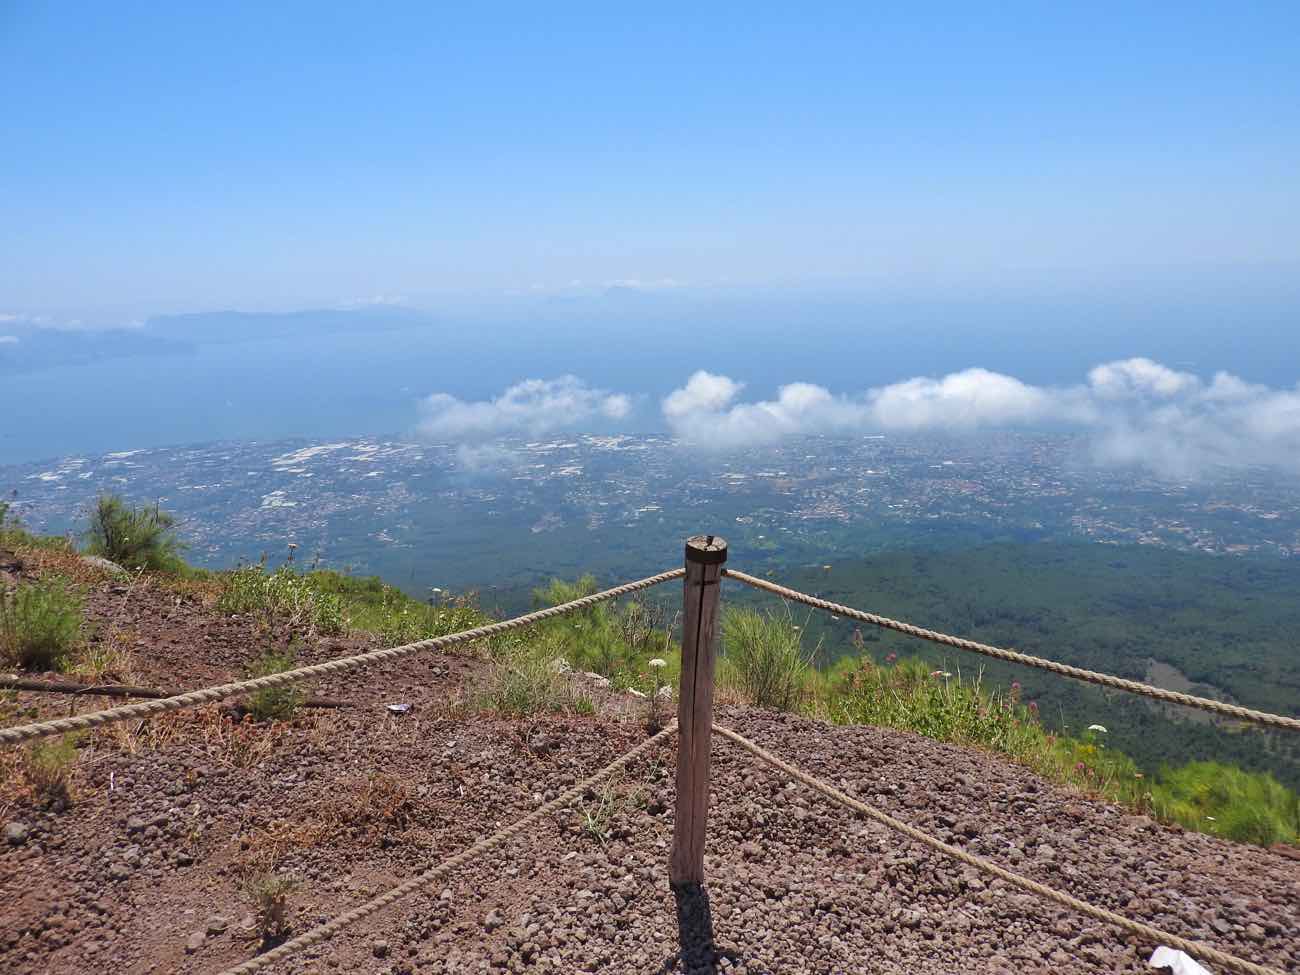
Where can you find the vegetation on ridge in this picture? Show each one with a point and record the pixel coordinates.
(763, 661)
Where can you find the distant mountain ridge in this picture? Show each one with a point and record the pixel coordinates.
(245, 326)
(27, 348)
(31, 349)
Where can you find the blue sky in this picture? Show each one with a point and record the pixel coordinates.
(172, 157)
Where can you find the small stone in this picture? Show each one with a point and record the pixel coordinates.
(380, 949)
(136, 824)
(218, 924)
(493, 920)
(195, 942)
(16, 833)
(119, 871)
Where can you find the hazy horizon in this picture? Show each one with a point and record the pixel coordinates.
(250, 223)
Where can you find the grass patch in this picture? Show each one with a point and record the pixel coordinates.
(274, 703)
(520, 684)
(14, 536)
(44, 772)
(1251, 807)
(376, 607)
(283, 599)
(40, 624)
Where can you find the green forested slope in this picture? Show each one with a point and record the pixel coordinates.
(1231, 626)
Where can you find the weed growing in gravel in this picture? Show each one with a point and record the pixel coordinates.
(274, 703)
(40, 623)
(134, 538)
(269, 893)
(765, 659)
(598, 815)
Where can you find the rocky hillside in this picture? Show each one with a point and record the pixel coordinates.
(181, 831)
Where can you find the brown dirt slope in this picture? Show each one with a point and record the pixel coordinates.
(148, 870)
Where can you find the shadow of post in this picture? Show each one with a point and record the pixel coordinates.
(695, 928)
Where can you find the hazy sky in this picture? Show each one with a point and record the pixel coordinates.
(176, 156)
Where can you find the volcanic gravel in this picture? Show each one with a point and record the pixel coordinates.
(146, 871)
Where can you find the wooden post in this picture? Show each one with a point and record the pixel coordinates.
(701, 597)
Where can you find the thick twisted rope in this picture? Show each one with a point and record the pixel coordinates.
(362, 911)
(1078, 673)
(206, 695)
(1146, 931)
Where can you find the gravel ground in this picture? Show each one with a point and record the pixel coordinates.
(147, 871)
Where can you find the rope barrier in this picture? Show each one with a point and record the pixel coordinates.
(128, 712)
(391, 896)
(1078, 673)
(1154, 935)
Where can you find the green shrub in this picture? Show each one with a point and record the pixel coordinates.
(1250, 807)
(274, 703)
(611, 639)
(40, 623)
(282, 598)
(134, 538)
(764, 659)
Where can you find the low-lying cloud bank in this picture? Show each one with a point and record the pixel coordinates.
(532, 407)
(1137, 412)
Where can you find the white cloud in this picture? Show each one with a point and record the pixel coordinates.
(703, 391)
(531, 407)
(1129, 378)
(8, 339)
(964, 400)
(702, 413)
(489, 458)
(1136, 411)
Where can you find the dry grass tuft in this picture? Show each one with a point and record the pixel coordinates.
(41, 774)
(370, 812)
(107, 659)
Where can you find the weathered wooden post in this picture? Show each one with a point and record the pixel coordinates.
(702, 593)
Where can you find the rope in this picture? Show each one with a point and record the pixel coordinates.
(1078, 673)
(128, 712)
(1154, 935)
(362, 911)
